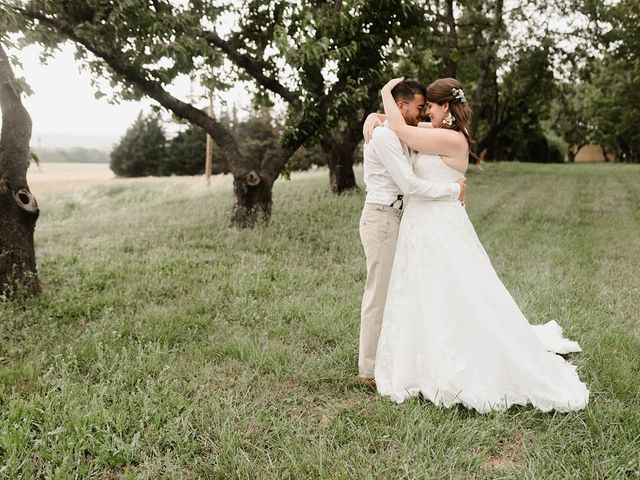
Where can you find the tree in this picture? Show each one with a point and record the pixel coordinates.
(612, 86)
(526, 94)
(610, 101)
(339, 145)
(141, 150)
(257, 135)
(18, 207)
(143, 46)
(348, 40)
(185, 154)
(570, 119)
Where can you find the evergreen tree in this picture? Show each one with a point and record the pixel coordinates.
(186, 154)
(142, 149)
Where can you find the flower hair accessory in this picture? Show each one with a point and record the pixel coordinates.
(458, 95)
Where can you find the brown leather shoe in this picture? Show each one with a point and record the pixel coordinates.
(369, 383)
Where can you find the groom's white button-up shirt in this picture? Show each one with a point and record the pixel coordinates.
(387, 172)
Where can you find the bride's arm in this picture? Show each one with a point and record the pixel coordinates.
(438, 141)
(376, 119)
(388, 150)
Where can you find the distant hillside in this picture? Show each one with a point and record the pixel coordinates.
(105, 142)
(72, 155)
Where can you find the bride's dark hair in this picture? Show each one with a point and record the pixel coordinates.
(449, 90)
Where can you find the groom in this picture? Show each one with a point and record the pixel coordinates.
(388, 176)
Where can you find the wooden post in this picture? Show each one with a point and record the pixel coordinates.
(209, 154)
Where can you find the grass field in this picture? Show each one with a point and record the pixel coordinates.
(165, 345)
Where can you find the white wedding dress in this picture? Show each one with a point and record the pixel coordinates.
(451, 330)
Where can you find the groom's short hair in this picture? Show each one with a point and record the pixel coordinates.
(407, 89)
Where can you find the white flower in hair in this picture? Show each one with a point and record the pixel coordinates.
(458, 94)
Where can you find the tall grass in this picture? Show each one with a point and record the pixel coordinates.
(166, 345)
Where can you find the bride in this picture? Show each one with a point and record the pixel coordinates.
(451, 331)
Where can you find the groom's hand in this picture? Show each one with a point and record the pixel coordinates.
(463, 189)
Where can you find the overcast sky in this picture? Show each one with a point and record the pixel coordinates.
(63, 107)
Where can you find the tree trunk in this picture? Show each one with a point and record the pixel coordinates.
(451, 43)
(573, 151)
(340, 161)
(18, 207)
(253, 186)
(488, 69)
(253, 200)
(339, 156)
(488, 142)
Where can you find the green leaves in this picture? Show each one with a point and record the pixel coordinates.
(34, 157)
(596, 102)
(20, 86)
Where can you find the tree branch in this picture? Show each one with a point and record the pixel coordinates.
(272, 167)
(252, 66)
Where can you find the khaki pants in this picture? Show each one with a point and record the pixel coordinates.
(378, 232)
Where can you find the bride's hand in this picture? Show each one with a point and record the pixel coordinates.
(392, 83)
(372, 121)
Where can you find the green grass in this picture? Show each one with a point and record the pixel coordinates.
(165, 345)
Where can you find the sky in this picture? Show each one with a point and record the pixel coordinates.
(65, 112)
(63, 108)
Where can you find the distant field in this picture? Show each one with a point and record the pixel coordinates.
(58, 177)
(48, 177)
(166, 345)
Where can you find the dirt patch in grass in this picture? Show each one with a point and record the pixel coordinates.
(509, 455)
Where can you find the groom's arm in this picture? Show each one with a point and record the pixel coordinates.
(388, 149)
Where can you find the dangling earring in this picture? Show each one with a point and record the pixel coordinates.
(449, 119)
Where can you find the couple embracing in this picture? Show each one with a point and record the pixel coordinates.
(436, 320)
